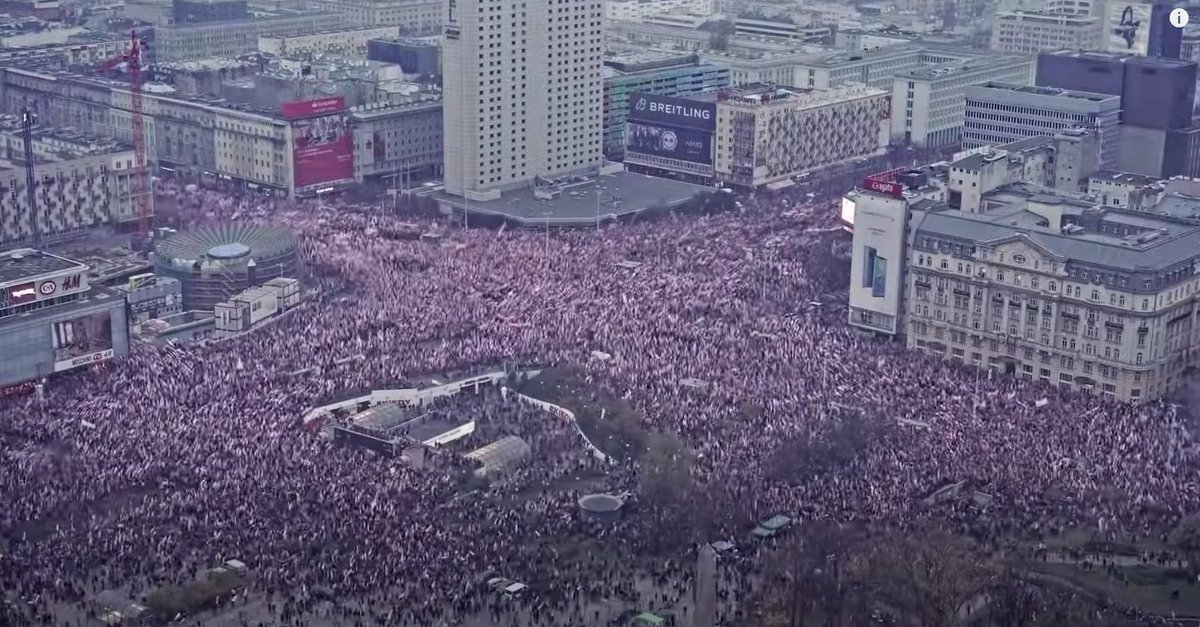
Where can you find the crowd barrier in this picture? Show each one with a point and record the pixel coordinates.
(567, 414)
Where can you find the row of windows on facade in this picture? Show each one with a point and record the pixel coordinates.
(1178, 273)
(1075, 291)
(1066, 361)
(1067, 344)
(1065, 379)
(1049, 122)
(1067, 325)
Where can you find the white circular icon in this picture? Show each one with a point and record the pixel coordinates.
(1179, 17)
(48, 288)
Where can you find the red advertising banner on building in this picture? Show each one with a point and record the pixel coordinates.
(895, 190)
(297, 109)
(323, 148)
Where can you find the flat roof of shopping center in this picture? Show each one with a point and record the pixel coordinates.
(25, 264)
(620, 195)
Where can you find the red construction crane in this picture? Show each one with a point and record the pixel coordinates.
(134, 62)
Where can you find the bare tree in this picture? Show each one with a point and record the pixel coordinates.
(678, 509)
(928, 579)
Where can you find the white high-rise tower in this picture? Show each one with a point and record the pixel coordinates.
(522, 92)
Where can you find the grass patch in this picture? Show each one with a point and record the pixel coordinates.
(610, 423)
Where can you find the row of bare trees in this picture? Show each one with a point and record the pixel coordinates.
(826, 575)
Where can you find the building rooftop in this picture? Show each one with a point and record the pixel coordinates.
(62, 144)
(334, 31)
(646, 60)
(25, 264)
(975, 159)
(432, 41)
(281, 16)
(1120, 56)
(426, 100)
(1127, 178)
(148, 89)
(838, 59)
(961, 67)
(204, 65)
(1158, 241)
(1047, 16)
(762, 94)
(1046, 91)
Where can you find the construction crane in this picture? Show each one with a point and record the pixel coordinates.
(134, 61)
(28, 120)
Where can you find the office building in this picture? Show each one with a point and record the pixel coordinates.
(1155, 93)
(1045, 286)
(873, 68)
(1076, 70)
(1065, 7)
(1025, 32)
(1122, 190)
(1159, 93)
(201, 11)
(511, 112)
(1077, 153)
(261, 148)
(414, 56)
(51, 320)
(84, 182)
(1000, 113)
(149, 297)
(398, 142)
(928, 103)
(348, 42)
(784, 28)
(758, 67)
(92, 50)
(637, 10)
(1157, 98)
(661, 74)
(182, 42)
(414, 16)
(765, 135)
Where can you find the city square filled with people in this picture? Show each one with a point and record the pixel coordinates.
(155, 467)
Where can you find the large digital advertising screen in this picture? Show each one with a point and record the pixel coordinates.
(323, 147)
(82, 341)
(22, 294)
(673, 112)
(672, 143)
(1128, 26)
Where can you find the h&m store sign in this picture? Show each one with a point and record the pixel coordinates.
(45, 289)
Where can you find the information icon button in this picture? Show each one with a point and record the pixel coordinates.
(1179, 17)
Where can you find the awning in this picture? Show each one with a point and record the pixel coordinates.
(778, 185)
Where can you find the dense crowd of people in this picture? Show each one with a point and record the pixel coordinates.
(171, 461)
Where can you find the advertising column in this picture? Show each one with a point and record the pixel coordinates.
(322, 144)
(669, 133)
